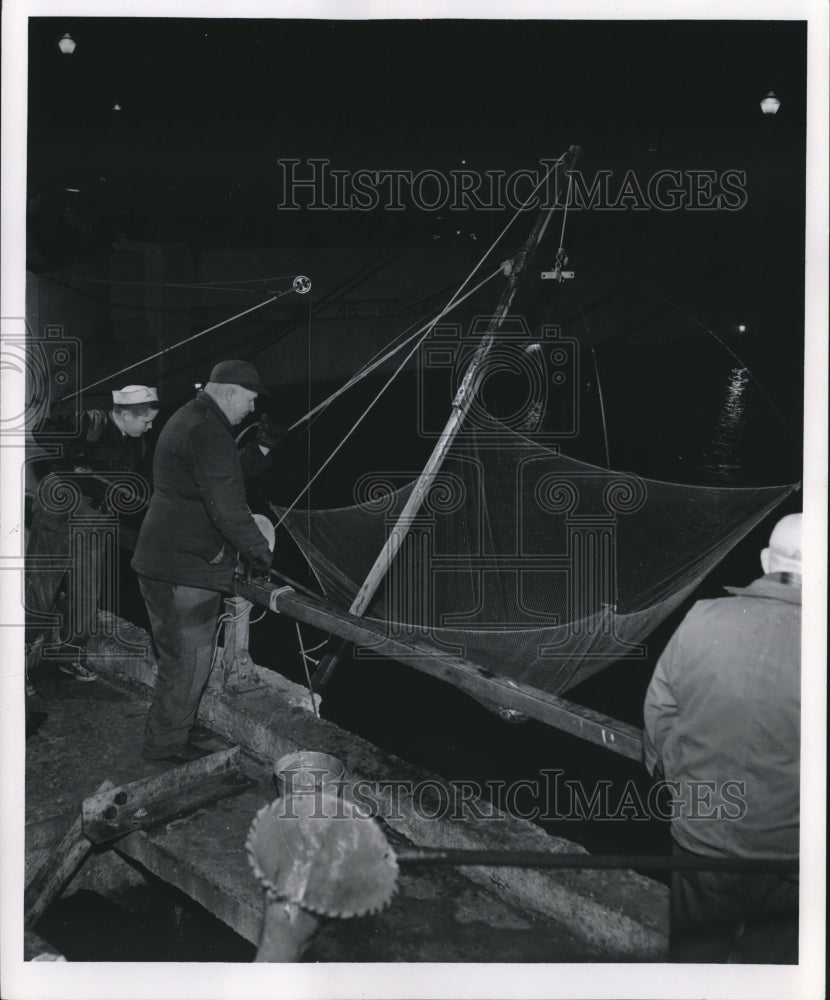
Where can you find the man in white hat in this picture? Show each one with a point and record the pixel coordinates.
(722, 727)
(108, 444)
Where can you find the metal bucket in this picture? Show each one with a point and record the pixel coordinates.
(308, 771)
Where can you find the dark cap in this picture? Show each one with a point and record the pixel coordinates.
(237, 373)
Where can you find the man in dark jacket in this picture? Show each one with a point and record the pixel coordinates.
(722, 725)
(197, 523)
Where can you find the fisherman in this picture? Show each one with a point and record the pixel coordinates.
(722, 722)
(197, 524)
(107, 445)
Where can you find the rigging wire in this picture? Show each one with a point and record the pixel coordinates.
(454, 300)
(179, 343)
(363, 273)
(307, 553)
(207, 286)
(380, 359)
(584, 319)
(304, 653)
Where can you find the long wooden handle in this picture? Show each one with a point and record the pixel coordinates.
(548, 859)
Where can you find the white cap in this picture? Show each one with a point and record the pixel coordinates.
(134, 394)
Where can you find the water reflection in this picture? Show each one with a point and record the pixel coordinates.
(723, 459)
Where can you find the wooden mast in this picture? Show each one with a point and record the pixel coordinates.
(460, 406)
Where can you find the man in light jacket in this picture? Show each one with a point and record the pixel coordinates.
(197, 523)
(722, 725)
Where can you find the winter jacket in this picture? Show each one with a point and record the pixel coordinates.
(722, 721)
(198, 519)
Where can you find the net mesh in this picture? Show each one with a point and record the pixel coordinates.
(536, 566)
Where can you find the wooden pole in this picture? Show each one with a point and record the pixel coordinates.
(460, 406)
(58, 868)
(567, 716)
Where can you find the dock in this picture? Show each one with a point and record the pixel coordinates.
(93, 733)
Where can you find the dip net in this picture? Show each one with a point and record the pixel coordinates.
(533, 565)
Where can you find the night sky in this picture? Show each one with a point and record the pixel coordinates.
(209, 106)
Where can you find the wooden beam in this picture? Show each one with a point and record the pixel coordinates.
(115, 811)
(57, 869)
(619, 737)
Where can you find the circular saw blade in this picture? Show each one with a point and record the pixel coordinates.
(320, 853)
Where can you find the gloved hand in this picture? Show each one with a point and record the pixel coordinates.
(269, 433)
(260, 565)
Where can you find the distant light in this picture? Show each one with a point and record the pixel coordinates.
(116, 107)
(741, 328)
(67, 44)
(770, 104)
(73, 190)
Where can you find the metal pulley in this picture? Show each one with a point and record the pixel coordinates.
(559, 273)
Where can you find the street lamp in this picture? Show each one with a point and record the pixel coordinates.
(67, 44)
(770, 104)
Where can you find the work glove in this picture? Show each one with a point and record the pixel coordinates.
(269, 433)
(259, 566)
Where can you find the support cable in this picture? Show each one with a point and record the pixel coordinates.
(180, 343)
(306, 658)
(587, 328)
(370, 366)
(456, 297)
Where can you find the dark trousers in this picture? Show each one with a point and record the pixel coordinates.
(49, 565)
(738, 917)
(184, 629)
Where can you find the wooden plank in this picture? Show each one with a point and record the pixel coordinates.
(116, 811)
(58, 868)
(619, 737)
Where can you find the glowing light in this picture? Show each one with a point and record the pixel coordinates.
(67, 44)
(770, 104)
(741, 327)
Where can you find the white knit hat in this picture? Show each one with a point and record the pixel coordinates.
(134, 394)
